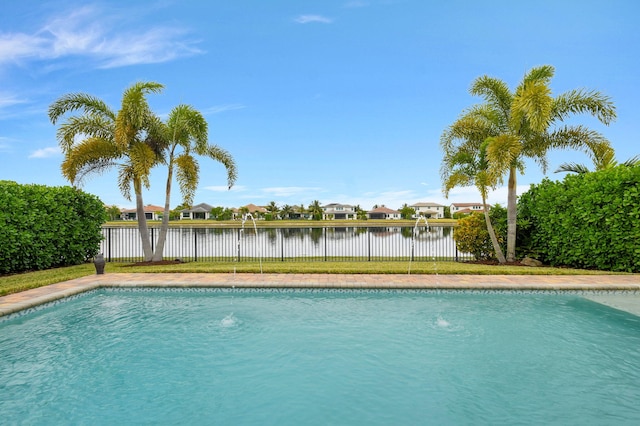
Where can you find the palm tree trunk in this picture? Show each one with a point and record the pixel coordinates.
(159, 250)
(511, 215)
(492, 233)
(142, 222)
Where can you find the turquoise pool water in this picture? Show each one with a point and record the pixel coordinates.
(320, 357)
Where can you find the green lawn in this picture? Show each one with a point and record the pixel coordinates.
(20, 282)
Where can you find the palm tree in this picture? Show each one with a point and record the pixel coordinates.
(301, 210)
(601, 161)
(316, 210)
(272, 208)
(360, 214)
(184, 136)
(466, 164)
(99, 139)
(527, 123)
(286, 211)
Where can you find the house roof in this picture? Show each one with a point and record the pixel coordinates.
(427, 204)
(199, 208)
(334, 205)
(149, 208)
(466, 204)
(383, 209)
(253, 208)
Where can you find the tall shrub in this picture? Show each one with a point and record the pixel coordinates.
(471, 236)
(43, 227)
(587, 221)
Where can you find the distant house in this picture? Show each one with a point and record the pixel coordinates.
(384, 213)
(338, 211)
(299, 212)
(256, 211)
(428, 210)
(199, 211)
(151, 212)
(466, 208)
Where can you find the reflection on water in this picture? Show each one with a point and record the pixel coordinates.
(387, 242)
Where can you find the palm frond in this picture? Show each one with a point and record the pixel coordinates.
(503, 152)
(222, 156)
(90, 156)
(125, 178)
(532, 104)
(577, 137)
(185, 125)
(187, 170)
(134, 116)
(631, 162)
(89, 125)
(603, 156)
(455, 179)
(581, 101)
(542, 74)
(79, 101)
(494, 91)
(572, 168)
(142, 159)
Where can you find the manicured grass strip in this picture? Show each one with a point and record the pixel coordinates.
(20, 282)
(345, 267)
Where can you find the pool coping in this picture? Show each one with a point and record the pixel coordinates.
(16, 302)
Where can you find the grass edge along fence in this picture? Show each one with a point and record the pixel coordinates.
(289, 244)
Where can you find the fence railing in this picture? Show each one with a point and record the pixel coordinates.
(123, 244)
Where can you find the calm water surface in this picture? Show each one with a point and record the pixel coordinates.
(354, 358)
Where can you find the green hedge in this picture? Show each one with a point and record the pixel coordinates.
(43, 227)
(586, 221)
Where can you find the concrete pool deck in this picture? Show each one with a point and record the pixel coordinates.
(629, 283)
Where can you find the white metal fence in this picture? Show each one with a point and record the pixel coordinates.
(122, 244)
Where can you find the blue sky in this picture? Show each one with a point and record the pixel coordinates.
(337, 101)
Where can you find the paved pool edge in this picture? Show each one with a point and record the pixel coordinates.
(31, 298)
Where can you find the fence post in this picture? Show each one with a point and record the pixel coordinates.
(239, 244)
(195, 244)
(108, 244)
(325, 243)
(368, 244)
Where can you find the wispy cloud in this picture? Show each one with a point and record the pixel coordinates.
(86, 32)
(9, 100)
(217, 109)
(307, 19)
(45, 152)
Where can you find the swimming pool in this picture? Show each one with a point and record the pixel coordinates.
(320, 357)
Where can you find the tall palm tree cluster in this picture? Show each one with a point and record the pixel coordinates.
(134, 140)
(493, 139)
